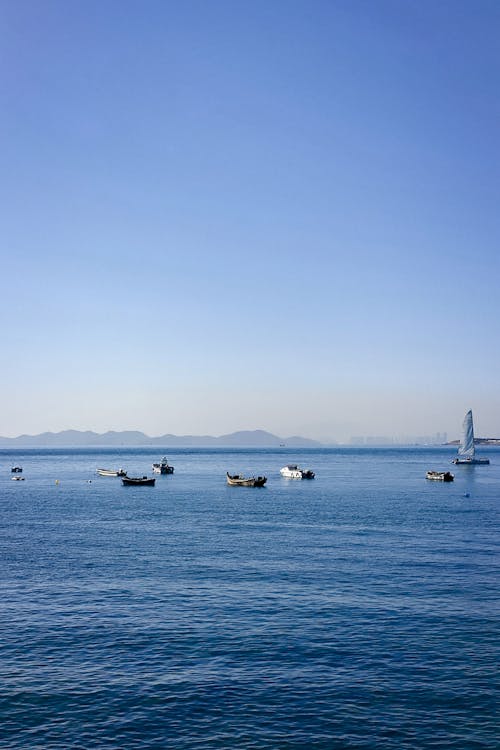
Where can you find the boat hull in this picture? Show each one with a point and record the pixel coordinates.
(470, 461)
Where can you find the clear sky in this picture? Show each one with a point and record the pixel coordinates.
(256, 214)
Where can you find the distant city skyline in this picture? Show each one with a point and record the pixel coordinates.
(236, 216)
(440, 438)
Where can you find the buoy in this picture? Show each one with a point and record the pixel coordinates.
(466, 494)
(57, 481)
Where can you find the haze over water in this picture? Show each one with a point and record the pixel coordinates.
(357, 610)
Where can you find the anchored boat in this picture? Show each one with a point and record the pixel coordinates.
(467, 450)
(442, 476)
(163, 467)
(292, 471)
(237, 480)
(111, 472)
(150, 482)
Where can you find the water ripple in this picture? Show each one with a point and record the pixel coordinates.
(330, 615)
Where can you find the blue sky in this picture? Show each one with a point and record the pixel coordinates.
(240, 215)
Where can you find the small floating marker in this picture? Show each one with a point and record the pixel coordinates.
(57, 481)
(466, 494)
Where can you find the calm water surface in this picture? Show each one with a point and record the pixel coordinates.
(357, 610)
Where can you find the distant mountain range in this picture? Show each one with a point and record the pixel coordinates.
(75, 438)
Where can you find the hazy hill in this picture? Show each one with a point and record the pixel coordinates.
(76, 438)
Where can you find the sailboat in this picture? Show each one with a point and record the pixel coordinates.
(467, 451)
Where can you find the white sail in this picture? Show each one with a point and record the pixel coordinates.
(466, 449)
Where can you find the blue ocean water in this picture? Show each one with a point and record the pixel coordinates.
(356, 610)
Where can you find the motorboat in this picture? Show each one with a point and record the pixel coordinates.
(238, 480)
(163, 467)
(292, 471)
(16, 470)
(17, 479)
(149, 482)
(111, 472)
(467, 451)
(442, 476)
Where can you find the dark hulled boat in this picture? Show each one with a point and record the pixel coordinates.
(139, 480)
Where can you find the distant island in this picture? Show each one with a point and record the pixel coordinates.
(133, 438)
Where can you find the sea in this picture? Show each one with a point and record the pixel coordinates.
(359, 609)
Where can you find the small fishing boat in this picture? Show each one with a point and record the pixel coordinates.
(467, 449)
(292, 471)
(17, 479)
(163, 467)
(17, 470)
(111, 472)
(139, 480)
(238, 480)
(442, 476)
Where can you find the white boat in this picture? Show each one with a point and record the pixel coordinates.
(467, 450)
(163, 467)
(441, 476)
(292, 471)
(111, 472)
